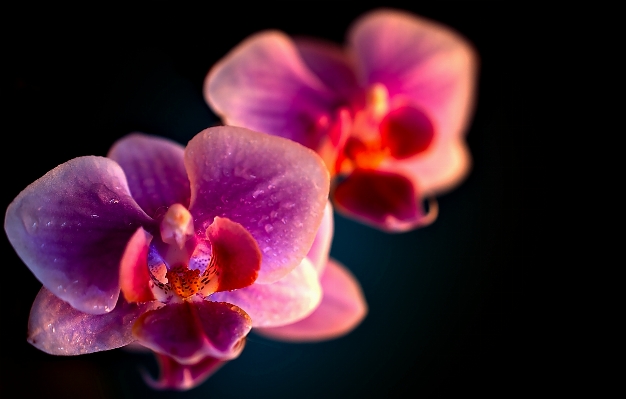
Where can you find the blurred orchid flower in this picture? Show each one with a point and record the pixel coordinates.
(171, 228)
(388, 113)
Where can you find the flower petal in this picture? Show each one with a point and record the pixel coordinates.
(275, 188)
(330, 64)
(264, 85)
(182, 377)
(444, 165)
(420, 60)
(318, 254)
(190, 331)
(155, 171)
(71, 227)
(134, 275)
(57, 328)
(342, 309)
(385, 200)
(406, 131)
(285, 301)
(237, 253)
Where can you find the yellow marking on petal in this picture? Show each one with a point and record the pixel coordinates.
(377, 102)
(186, 283)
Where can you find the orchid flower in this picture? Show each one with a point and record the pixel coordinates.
(388, 113)
(172, 229)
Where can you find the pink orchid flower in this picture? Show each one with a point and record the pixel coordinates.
(388, 113)
(183, 234)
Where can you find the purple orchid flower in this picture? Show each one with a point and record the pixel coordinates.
(183, 234)
(388, 113)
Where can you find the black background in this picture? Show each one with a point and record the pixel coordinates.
(440, 298)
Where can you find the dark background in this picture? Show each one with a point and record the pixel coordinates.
(440, 298)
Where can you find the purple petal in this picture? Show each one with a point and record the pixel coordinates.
(155, 171)
(134, 275)
(58, 329)
(421, 61)
(275, 188)
(285, 301)
(318, 254)
(264, 85)
(382, 199)
(71, 227)
(342, 309)
(330, 64)
(182, 377)
(190, 331)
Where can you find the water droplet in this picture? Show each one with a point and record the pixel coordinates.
(257, 193)
(224, 199)
(271, 187)
(266, 250)
(54, 329)
(114, 201)
(94, 216)
(269, 227)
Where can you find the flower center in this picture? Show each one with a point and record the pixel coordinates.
(377, 132)
(181, 264)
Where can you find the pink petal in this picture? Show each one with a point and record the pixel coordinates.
(342, 309)
(155, 171)
(182, 377)
(134, 275)
(384, 200)
(421, 61)
(330, 64)
(443, 166)
(237, 253)
(318, 254)
(264, 85)
(57, 328)
(285, 301)
(190, 331)
(71, 227)
(275, 188)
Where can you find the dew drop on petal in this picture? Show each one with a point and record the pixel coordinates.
(269, 228)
